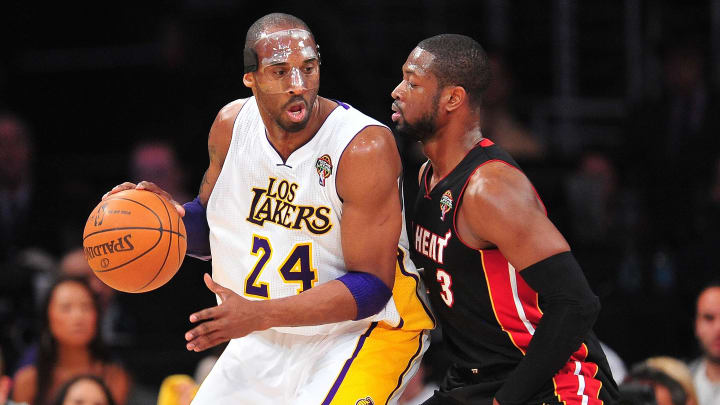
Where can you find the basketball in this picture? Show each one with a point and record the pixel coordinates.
(134, 241)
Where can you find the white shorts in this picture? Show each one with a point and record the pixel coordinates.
(367, 366)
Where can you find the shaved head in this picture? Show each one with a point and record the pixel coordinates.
(270, 23)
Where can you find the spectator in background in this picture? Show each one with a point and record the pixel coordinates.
(5, 385)
(24, 235)
(69, 345)
(115, 324)
(649, 383)
(672, 143)
(499, 122)
(156, 161)
(706, 369)
(678, 371)
(17, 186)
(84, 390)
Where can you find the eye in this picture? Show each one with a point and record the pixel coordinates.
(279, 72)
(411, 85)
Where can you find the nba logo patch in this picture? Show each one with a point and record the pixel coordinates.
(446, 204)
(324, 168)
(365, 401)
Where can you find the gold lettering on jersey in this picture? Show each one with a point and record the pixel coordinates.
(431, 244)
(274, 204)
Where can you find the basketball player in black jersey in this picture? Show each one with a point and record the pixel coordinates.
(515, 308)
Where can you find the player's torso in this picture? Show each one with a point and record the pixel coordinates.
(474, 293)
(275, 225)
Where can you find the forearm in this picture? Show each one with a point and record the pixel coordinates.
(569, 312)
(326, 303)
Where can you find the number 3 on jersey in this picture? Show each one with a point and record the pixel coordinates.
(296, 268)
(445, 281)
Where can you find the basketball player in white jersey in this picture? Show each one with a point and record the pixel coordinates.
(301, 208)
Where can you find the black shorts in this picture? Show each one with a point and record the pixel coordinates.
(465, 386)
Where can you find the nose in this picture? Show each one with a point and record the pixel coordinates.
(396, 91)
(297, 82)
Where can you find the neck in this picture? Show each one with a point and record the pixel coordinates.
(447, 148)
(287, 142)
(712, 369)
(73, 356)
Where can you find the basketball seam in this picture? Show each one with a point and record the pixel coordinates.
(161, 230)
(167, 253)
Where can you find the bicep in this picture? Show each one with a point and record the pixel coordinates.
(372, 212)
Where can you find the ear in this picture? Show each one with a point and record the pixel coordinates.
(249, 80)
(456, 97)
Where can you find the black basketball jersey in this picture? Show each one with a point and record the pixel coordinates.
(487, 312)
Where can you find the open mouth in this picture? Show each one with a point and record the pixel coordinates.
(396, 113)
(296, 112)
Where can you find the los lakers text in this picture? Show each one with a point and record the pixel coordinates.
(275, 204)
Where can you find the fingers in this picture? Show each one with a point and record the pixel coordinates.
(120, 187)
(205, 314)
(206, 341)
(150, 186)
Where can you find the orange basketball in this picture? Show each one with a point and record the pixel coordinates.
(135, 241)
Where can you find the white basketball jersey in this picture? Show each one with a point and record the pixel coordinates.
(274, 224)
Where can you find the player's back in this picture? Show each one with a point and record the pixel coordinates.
(275, 224)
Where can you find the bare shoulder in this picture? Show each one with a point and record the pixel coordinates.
(230, 110)
(372, 140)
(497, 185)
(25, 384)
(370, 158)
(27, 374)
(221, 131)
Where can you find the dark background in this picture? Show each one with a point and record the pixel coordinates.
(589, 86)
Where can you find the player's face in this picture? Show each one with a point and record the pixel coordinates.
(416, 97)
(707, 323)
(85, 392)
(288, 77)
(72, 314)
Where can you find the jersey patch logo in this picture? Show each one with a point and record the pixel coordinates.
(446, 204)
(365, 401)
(324, 168)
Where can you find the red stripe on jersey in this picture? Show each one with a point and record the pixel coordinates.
(515, 308)
(486, 142)
(575, 383)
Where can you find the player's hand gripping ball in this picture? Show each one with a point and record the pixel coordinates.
(135, 241)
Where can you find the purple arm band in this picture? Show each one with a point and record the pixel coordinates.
(370, 293)
(198, 231)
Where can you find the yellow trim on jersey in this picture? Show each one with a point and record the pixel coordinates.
(492, 302)
(413, 311)
(267, 286)
(379, 366)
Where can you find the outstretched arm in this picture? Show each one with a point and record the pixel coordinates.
(513, 219)
(367, 178)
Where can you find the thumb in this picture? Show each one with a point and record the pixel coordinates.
(215, 287)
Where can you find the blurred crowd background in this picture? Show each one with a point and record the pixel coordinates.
(611, 108)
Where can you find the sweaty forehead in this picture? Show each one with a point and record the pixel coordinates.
(278, 46)
(419, 62)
